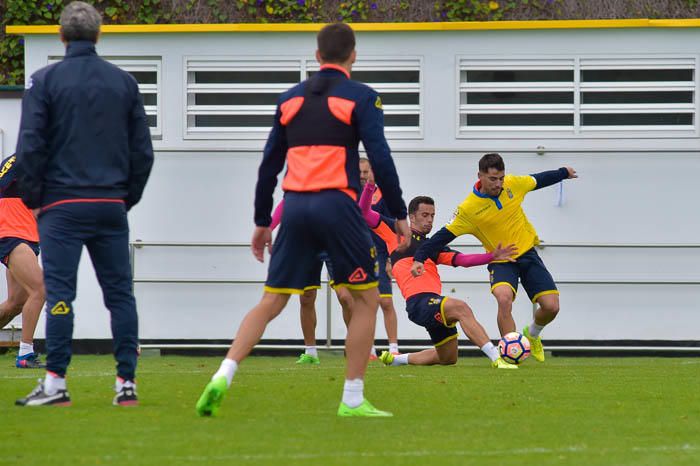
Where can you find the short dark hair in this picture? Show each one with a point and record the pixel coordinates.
(336, 42)
(491, 160)
(80, 21)
(417, 201)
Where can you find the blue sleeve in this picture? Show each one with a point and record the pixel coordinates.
(550, 177)
(434, 246)
(370, 119)
(7, 175)
(140, 151)
(274, 156)
(32, 146)
(390, 222)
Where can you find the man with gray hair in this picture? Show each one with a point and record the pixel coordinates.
(84, 155)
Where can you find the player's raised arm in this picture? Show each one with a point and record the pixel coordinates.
(371, 129)
(548, 178)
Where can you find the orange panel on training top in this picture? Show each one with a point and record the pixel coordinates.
(290, 108)
(16, 220)
(314, 168)
(341, 109)
(409, 285)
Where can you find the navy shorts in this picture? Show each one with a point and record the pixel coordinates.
(314, 280)
(529, 267)
(428, 310)
(326, 221)
(8, 244)
(385, 290)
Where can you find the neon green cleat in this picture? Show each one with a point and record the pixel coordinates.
(501, 364)
(208, 404)
(364, 410)
(536, 348)
(308, 359)
(387, 358)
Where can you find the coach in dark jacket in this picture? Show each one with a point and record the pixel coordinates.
(84, 154)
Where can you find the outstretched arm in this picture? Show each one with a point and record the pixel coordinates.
(431, 248)
(507, 253)
(371, 216)
(551, 177)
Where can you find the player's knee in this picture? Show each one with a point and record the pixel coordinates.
(346, 300)
(551, 308)
(308, 299)
(39, 293)
(448, 360)
(387, 305)
(505, 303)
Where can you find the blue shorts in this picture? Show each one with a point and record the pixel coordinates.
(385, 290)
(529, 267)
(315, 222)
(314, 280)
(8, 244)
(428, 310)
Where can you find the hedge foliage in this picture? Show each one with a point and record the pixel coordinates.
(39, 12)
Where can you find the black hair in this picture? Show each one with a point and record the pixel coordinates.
(336, 42)
(491, 160)
(417, 201)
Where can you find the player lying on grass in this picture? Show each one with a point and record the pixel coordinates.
(425, 304)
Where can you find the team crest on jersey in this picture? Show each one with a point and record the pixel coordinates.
(510, 193)
(59, 309)
(454, 216)
(434, 301)
(378, 103)
(438, 317)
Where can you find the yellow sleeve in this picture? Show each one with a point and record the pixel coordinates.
(522, 183)
(459, 224)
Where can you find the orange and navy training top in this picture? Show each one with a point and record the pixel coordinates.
(318, 126)
(16, 220)
(401, 262)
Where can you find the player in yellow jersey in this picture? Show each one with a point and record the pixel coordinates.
(493, 213)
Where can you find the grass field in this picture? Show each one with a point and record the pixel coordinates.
(568, 411)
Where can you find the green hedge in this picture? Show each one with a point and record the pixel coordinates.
(38, 12)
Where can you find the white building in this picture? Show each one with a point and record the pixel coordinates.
(617, 100)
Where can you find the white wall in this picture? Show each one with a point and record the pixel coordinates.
(632, 191)
(10, 110)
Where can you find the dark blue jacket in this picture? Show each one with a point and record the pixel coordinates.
(84, 132)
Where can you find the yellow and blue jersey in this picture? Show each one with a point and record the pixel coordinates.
(495, 220)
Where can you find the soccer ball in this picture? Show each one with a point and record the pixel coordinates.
(514, 347)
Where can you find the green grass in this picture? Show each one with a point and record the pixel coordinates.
(568, 411)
